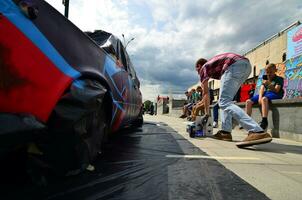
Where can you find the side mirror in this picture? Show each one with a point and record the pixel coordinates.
(28, 10)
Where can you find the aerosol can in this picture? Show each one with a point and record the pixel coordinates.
(203, 126)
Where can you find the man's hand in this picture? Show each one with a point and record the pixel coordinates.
(266, 82)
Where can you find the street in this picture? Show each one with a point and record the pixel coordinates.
(274, 169)
(160, 161)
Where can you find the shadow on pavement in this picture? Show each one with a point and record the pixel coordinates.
(276, 148)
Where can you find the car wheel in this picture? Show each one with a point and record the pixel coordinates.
(77, 129)
(140, 120)
(97, 131)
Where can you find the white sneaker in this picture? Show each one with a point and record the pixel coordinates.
(215, 124)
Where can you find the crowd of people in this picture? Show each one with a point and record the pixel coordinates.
(233, 70)
(195, 105)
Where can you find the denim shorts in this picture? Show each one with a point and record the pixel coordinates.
(269, 95)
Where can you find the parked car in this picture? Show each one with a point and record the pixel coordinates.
(62, 91)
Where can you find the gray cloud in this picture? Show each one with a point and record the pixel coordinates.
(171, 35)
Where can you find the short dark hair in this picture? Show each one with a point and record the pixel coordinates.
(271, 65)
(200, 61)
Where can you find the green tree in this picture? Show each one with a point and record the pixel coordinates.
(147, 104)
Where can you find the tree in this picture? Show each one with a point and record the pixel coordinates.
(147, 105)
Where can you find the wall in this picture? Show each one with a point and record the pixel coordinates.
(291, 71)
(162, 107)
(272, 49)
(285, 117)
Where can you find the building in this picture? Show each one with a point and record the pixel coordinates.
(272, 50)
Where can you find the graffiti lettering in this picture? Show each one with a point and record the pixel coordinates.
(295, 85)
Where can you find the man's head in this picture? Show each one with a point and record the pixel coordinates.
(199, 63)
(199, 89)
(270, 71)
(187, 93)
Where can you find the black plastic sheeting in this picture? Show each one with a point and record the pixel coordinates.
(17, 129)
(135, 166)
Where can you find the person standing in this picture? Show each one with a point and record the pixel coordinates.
(232, 69)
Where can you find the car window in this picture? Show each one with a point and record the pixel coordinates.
(122, 56)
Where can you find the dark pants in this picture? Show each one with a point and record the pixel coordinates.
(215, 112)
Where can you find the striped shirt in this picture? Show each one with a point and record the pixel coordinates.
(217, 65)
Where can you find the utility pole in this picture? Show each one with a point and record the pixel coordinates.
(129, 42)
(124, 41)
(66, 4)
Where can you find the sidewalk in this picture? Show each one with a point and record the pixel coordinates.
(274, 169)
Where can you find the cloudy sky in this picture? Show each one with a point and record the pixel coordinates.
(171, 35)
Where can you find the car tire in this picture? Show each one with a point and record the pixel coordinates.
(140, 120)
(77, 129)
(98, 131)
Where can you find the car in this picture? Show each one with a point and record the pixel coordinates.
(62, 91)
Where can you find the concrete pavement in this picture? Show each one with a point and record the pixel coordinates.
(274, 169)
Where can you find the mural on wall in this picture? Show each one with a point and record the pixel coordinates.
(294, 42)
(291, 71)
(281, 68)
(259, 81)
(293, 78)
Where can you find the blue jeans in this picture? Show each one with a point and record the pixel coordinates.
(231, 81)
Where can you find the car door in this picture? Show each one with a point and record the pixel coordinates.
(127, 89)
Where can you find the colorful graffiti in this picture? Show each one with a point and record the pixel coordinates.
(281, 69)
(291, 71)
(294, 42)
(259, 81)
(293, 78)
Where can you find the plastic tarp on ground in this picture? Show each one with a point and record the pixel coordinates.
(135, 166)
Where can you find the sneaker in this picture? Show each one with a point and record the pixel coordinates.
(215, 124)
(222, 135)
(182, 116)
(254, 139)
(263, 125)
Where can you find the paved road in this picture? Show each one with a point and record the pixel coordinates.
(274, 169)
(145, 163)
(160, 161)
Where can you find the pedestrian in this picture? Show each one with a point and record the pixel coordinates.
(232, 69)
(271, 88)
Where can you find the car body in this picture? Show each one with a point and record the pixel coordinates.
(55, 78)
